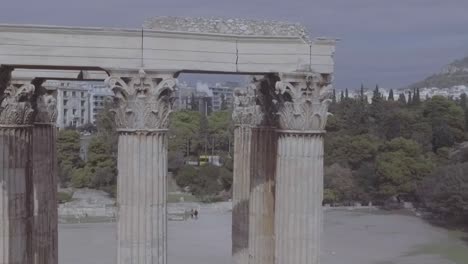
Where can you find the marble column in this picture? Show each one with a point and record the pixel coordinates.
(142, 108)
(299, 172)
(253, 183)
(241, 194)
(45, 236)
(16, 116)
(262, 196)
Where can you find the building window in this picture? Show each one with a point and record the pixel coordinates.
(82, 103)
(82, 113)
(64, 93)
(82, 94)
(74, 111)
(65, 102)
(73, 93)
(65, 111)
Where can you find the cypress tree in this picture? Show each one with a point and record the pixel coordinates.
(362, 93)
(377, 96)
(346, 93)
(390, 95)
(342, 96)
(334, 96)
(463, 101)
(402, 98)
(410, 99)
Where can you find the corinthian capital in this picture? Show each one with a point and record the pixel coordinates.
(246, 112)
(46, 104)
(15, 106)
(142, 102)
(303, 101)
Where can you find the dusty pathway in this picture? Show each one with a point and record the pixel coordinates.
(350, 237)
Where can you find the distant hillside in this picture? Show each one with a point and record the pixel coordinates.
(456, 73)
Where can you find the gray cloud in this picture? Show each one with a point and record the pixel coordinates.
(392, 43)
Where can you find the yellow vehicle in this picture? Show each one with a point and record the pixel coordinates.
(203, 160)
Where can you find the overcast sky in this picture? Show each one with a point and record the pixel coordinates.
(389, 42)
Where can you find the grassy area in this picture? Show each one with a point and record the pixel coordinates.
(176, 197)
(64, 197)
(455, 248)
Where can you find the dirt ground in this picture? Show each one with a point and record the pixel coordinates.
(349, 237)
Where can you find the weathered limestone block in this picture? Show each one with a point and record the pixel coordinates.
(16, 115)
(45, 236)
(141, 112)
(299, 173)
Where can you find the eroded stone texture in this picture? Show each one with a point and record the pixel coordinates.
(262, 196)
(303, 111)
(45, 236)
(15, 172)
(251, 110)
(142, 108)
(235, 26)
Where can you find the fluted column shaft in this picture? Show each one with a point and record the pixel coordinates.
(299, 194)
(241, 193)
(142, 190)
(45, 237)
(262, 196)
(15, 194)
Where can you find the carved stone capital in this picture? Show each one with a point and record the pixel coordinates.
(303, 101)
(246, 112)
(15, 106)
(46, 106)
(142, 102)
(255, 105)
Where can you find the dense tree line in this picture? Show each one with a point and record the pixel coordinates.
(190, 135)
(401, 149)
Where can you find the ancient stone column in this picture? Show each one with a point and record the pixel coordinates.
(241, 193)
(254, 169)
(299, 172)
(45, 236)
(142, 110)
(16, 116)
(262, 196)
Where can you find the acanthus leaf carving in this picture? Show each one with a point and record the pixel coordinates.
(246, 112)
(303, 101)
(16, 107)
(141, 103)
(46, 105)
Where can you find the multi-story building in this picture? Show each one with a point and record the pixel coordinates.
(223, 92)
(78, 102)
(193, 98)
(99, 94)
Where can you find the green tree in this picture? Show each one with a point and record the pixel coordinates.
(402, 99)
(340, 180)
(184, 129)
(390, 95)
(221, 130)
(400, 167)
(68, 154)
(445, 192)
(445, 114)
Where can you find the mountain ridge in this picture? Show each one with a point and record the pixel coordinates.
(454, 74)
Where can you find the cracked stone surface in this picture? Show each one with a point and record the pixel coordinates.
(234, 26)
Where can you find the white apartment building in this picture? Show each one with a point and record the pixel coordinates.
(78, 102)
